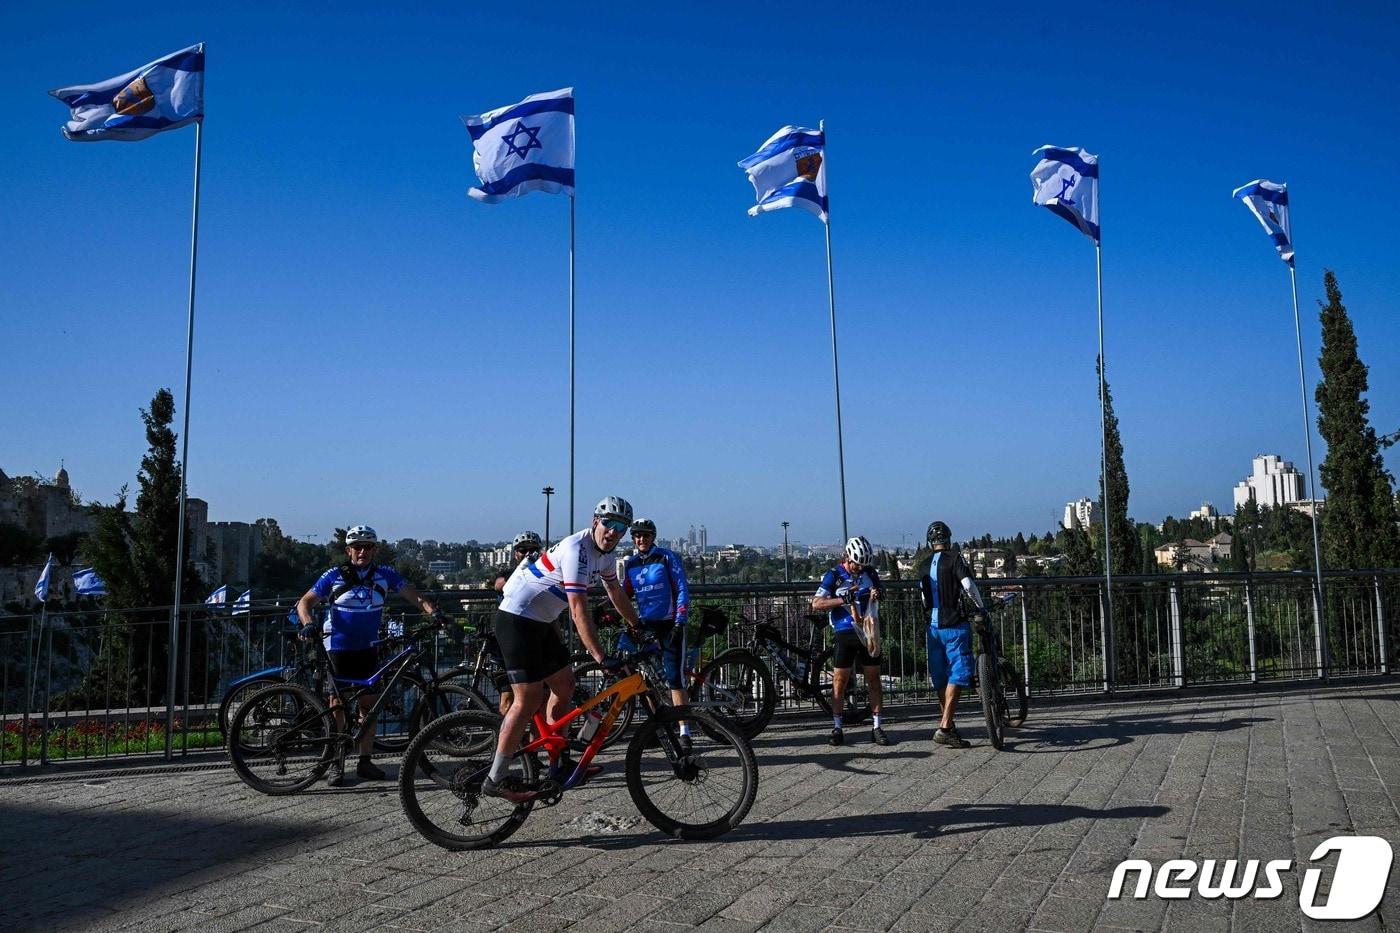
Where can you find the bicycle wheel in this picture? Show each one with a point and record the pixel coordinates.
(398, 717)
(989, 690)
(282, 739)
(590, 680)
(440, 783)
(239, 695)
(857, 702)
(697, 796)
(448, 698)
(1015, 689)
(738, 686)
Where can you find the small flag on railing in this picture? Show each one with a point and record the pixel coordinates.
(164, 95)
(1268, 201)
(789, 170)
(242, 604)
(86, 582)
(524, 147)
(218, 597)
(41, 589)
(1066, 180)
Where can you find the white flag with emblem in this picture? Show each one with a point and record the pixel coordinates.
(242, 604)
(1268, 201)
(1066, 180)
(524, 147)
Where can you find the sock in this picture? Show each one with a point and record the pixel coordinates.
(836, 722)
(875, 720)
(499, 766)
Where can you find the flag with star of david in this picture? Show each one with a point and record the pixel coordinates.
(1268, 201)
(243, 603)
(789, 170)
(164, 95)
(1066, 180)
(524, 147)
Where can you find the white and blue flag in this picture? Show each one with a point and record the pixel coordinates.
(1268, 201)
(524, 147)
(789, 170)
(218, 597)
(1066, 180)
(243, 603)
(86, 582)
(41, 588)
(164, 95)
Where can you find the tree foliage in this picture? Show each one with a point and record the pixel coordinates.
(1126, 556)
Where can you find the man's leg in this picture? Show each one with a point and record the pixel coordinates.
(525, 699)
(950, 702)
(367, 740)
(872, 684)
(840, 679)
(561, 693)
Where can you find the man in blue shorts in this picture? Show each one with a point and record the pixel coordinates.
(950, 661)
(848, 589)
(656, 578)
(356, 591)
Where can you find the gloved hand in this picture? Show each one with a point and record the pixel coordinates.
(611, 663)
(440, 617)
(308, 632)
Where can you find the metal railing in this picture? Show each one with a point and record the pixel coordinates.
(94, 683)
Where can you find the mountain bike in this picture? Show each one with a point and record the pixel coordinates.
(999, 685)
(298, 669)
(284, 738)
(699, 792)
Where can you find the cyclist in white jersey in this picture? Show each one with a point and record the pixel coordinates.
(536, 659)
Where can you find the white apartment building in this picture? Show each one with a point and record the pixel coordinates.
(1206, 511)
(1272, 482)
(1082, 513)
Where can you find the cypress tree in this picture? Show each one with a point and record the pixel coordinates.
(1358, 521)
(1126, 556)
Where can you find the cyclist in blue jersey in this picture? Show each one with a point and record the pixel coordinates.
(655, 577)
(950, 661)
(851, 584)
(356, 591)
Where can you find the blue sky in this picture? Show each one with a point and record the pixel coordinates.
(372, 346)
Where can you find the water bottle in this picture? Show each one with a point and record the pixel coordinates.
(591, 721)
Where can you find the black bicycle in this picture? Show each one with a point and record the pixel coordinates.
(299, 669)
(999, 685)
(284, 738)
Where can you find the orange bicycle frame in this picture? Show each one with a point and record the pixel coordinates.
(553, 738)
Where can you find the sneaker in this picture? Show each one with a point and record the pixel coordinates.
(686, 746)
(837, 737)
(369, 770)
(509, 788)
(950, 738)
(877, 735)
(336, 775)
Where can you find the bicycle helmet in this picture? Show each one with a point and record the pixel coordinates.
(361, 534)
(939, 535)
(526, 541)
(644, 526)
(614, 507)
(859, 551)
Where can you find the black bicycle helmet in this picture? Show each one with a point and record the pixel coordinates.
(526, 541)
(644, 526)
(939, 535)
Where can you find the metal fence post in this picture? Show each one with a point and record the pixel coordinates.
(1174, 627)
(1380, 627)
(1249, 624)
(1318, 635)
(48, 689)
(1025, 643)
(31, 674)
(1105, 638)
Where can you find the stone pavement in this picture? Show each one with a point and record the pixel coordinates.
(912, 837)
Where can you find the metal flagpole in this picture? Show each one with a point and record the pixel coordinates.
(1107, 632)
(174, 648)
(1320, 632)
(571, 364)
(835, 363)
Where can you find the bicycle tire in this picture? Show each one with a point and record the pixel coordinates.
(854, 711)
(732, 678)
(283, 726)
(446, 698)
(394, 725)
(721, 762)
(1015, 687)
(237, 696)
(989, 690)
(453, 760)
(589, 680)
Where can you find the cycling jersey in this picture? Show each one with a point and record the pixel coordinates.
(539, 589)
(942, 588)
(839, 581)
(657, 579)
(353, 622)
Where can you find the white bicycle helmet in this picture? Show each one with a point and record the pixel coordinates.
(859, 551)
(361, 534)
(614, 507)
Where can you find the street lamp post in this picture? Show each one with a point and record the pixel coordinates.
(787, 556)
(548, 491)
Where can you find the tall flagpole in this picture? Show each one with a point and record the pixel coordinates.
(1319, 631)
(571, 363)
(1107, 632)
(835, 363)
(174, 648)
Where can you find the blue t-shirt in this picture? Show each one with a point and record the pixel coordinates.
(353, 622)
(837, 582)
(657, 579)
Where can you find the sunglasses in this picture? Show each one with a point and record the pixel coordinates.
(361, 547)
(613, 524)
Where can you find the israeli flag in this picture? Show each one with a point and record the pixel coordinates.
(789, 170)
(1268, 201)
(242, 604)
(524, 147)
(164, 95)
(218, 597)
(86, 582)
(41, 589)
(1067, 182)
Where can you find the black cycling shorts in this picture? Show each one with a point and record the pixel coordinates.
(359, 664)
(849, 649)
(532, 650)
